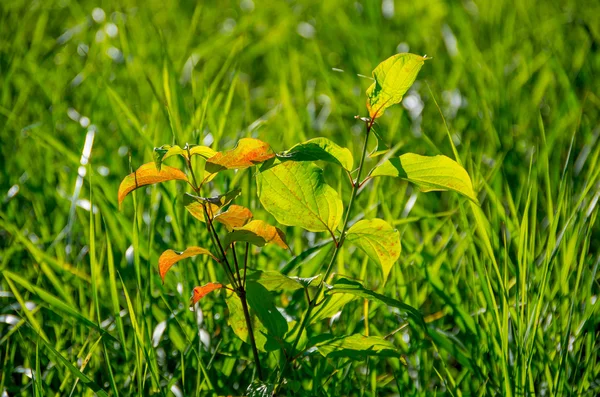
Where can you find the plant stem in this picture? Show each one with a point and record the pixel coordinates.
(242, 295)
(239, 284)
(312, 303)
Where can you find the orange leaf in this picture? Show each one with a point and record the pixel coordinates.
(200, 292)
(247, 152)
(147, 174)
(170, 257)
(235, 216)
(258, 233)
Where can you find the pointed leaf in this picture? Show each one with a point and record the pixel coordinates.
(165, 151)
(263, 304)
(379, 240)
(194, 203)
(274, 280)
(381, 148)
(147, 174)
(237, 322)
(296, 194)
(393, 77)
(235, 216)
(258, 233)
(357, 347)
(170, 257)
(201, 292)
(247, 153)
(320, 149)
(430, 173)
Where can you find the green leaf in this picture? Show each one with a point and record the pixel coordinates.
(429, 173)
(258, 233)
(165, 151)
(247, 153)
(345, 287)
(332, 305)
(379, 240)
(194, 203)
(273, 280)
(237, 322)
(296, 194)
(357, 347)
(319, 149)
(381, 148)
(393, 77)
(263, 304)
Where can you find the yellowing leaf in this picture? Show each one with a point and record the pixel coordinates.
(170, 257)
(393, 77)
(258, 233)
(147, 174)
(201, 292)
(235, 216)
(379, 240)
(194, 204)
(247, 153)
(429, 173)
(237, 321)
(164, 152)
(320, 149)
(296, 194)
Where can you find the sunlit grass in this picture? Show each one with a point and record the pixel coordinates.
(512, 285)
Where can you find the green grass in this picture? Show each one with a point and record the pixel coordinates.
(513, 286)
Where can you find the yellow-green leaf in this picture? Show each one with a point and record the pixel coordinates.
(393, 77)
(379, 240)
(164, 152)
(147, 174)
(201, 292)
(237, 322)
(235, 216)
(170, 257)
(320, 149)
(296, 194)
(258, 233)
(429, 173)
(194, 204)
(357, 347)
(247, 153)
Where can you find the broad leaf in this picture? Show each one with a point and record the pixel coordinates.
(393, 77)
(331, 305)
(194, 203)
(429, 173)
(147, 174)
(237, 321)
(257, 233)
(263, 304)
(296, 194)
(164, 152)
(201, 292)
(247, 153)
(320, 149)
(170, 257)
(235, 216)
(344, 287)
(357, 347)
(381, 147)
(274, 280)
(379, 240)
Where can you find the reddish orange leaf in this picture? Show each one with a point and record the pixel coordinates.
(235, 216)
(170, 257)
(201, 292)
(147, 174)
(247, 152)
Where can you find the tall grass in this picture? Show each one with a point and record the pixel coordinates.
(513, 284)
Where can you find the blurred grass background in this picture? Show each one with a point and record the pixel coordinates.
(85, 86)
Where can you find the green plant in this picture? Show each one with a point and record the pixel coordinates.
(292, 188)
